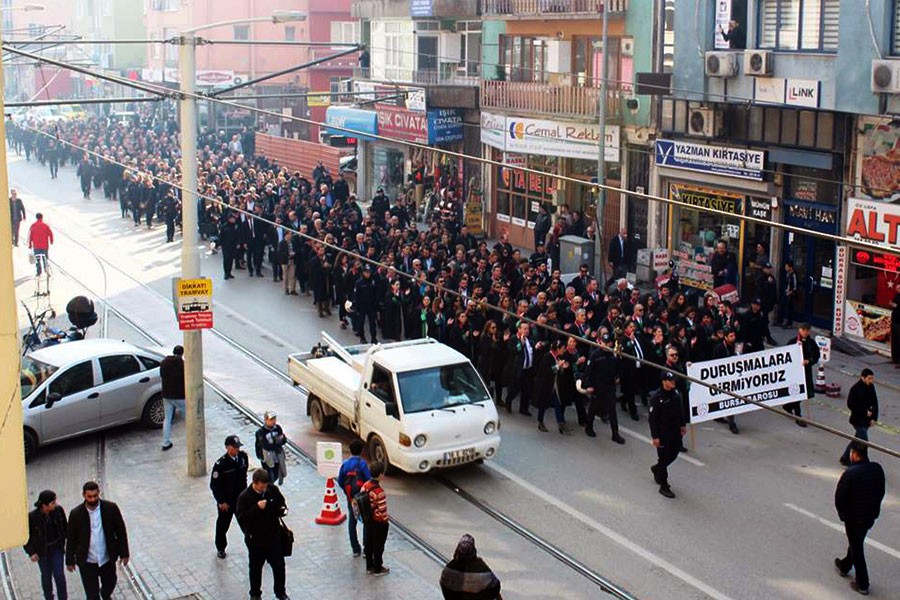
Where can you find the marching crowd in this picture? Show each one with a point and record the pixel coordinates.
(389, 275)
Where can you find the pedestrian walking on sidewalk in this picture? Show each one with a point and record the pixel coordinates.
(40, 236)
(353, 474)
(667, 427)
(467, 577)
(376, 529)
(857, 499)
(171, 373)
(270, 441)
(16, 214)
(260, 508)
(863, 404)
(46, 544)
(96, 539)
(227, 481)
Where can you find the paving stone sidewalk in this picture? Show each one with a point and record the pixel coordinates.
(171, 521)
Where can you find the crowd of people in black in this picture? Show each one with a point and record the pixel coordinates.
(389, 275)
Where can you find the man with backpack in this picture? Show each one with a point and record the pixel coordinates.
(353, 474)
(372, 505)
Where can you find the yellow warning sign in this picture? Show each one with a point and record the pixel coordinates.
(194, 287)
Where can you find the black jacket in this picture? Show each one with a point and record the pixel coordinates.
(171, 373)
(261, 526)
(859, 493)
(665, 414)
(39, 528)
(469, 579)
(79, 533)
(862, 399)
(229, 478)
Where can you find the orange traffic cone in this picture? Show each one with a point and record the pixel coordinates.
(331, 509)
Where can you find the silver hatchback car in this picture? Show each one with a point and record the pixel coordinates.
(78, 387)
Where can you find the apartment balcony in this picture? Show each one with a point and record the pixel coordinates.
(548, 98)
(445, 88)
(550, 8)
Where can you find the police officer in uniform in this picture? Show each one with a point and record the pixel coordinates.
(599, 381)
(228, 480)
(667, 426)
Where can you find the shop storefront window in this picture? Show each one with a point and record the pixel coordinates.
(696, 232)
(389, 170)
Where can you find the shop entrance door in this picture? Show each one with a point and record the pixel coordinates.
(814, 263)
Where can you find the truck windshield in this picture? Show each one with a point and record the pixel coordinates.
(33, 374)
(440, 387)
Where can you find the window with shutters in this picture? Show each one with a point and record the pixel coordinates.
(799, 25)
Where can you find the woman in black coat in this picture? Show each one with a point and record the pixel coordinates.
(545, 389)
(392, 313)
(467, 577)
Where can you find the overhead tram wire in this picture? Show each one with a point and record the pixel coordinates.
(167, 92)
(618, 353)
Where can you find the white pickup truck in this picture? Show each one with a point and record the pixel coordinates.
(418, 404)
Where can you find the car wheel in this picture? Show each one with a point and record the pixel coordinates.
(378, 452)
(317, 414)
(154, 413)
(31, 445)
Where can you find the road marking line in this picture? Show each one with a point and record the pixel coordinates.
(647, 440)
(839, 527)
(610, 534)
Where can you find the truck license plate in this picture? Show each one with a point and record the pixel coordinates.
(464, 455)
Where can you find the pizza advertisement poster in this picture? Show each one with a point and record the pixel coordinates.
(879, 166)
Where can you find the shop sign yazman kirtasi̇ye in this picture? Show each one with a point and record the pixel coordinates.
(721, 160)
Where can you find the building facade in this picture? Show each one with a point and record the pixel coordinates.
(540, 97)
(219, 66)
(782, 123)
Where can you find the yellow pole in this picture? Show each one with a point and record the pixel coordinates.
(13, 501)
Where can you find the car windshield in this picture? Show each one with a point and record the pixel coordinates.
(33, 374)
(440, 387)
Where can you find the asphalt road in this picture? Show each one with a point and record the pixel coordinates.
(754, 516)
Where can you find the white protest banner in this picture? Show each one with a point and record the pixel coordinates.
(329, 456)
(773, 377)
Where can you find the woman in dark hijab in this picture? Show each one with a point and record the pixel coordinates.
(467, 577)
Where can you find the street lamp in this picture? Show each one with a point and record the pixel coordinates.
(190, 256)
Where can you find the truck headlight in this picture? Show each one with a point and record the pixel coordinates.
(489, 428)
(420, 440)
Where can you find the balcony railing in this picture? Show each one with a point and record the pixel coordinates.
(550, 7)
(448, 76)
(547, 98)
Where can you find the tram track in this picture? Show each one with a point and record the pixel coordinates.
(604, 584)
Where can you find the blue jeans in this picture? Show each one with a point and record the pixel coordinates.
(557, 408)
(40, 261)
(169, 407)
(861, 433)
(351, 528)
(52, 569)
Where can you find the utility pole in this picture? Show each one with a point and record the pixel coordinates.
(195, 419)
(600, 210)
(14, 525)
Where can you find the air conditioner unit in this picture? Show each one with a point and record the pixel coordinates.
(758, 62)
(886, 76)
(627, 47)
(721, 64)
(704, 122)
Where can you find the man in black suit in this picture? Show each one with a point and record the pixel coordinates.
(96, 539)
(521, 369)
(618, 253)
(857, 499)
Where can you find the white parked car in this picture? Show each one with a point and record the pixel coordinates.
(78, 387)
(418, 404)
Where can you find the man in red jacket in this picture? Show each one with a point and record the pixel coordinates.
(39, 239)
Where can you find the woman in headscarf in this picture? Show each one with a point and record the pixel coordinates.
(467, 577)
